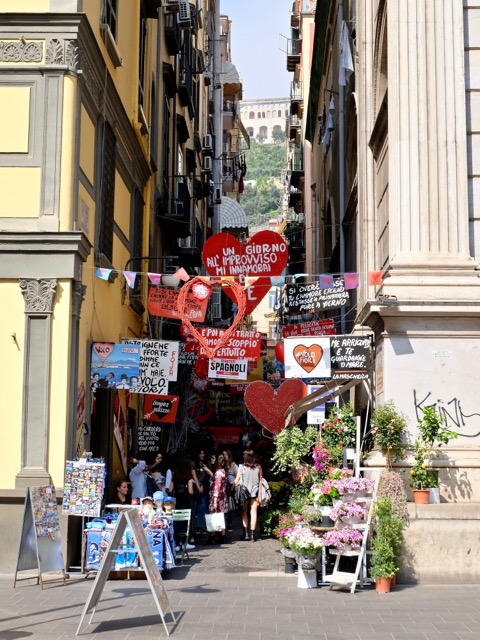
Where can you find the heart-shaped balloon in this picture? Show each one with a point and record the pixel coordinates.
(239, 297)
(265, 254)
(268, 406)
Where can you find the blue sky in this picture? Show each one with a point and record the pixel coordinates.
(256, 25)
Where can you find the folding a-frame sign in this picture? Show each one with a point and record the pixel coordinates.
(129, 518)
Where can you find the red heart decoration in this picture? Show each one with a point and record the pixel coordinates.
(268, 406)
(265, 254)
(239, 297)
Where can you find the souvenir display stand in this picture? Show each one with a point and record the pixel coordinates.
(40, 545)
(97, 536)
(349, 579)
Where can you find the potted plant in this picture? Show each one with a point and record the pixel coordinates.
(348, 513)
(339, 431)
(292, 444)
(387, 544)
(391, 485)
(388, 429)
(432, 433)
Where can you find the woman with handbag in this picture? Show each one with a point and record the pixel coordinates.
(218, 497)
(249, 479)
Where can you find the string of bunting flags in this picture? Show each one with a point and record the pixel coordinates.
(326, 280)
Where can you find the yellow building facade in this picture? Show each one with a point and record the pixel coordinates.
(104, 105)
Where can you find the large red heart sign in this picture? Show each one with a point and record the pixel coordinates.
(268, 406)
(265, 254)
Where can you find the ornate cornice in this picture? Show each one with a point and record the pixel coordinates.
(21, 51)
(38, 295)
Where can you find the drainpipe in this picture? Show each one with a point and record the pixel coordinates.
(217, 119)
(341, 166)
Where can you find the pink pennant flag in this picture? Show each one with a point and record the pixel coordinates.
(181, 274)
(350, 280)
(326, 281)
(154, 278)
(375, 278)
(277, 280)
(250, 280)
(103, 274)
(130, 277)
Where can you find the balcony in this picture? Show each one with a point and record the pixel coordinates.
(296, 166)
(185, 84)
(172, 207)
(294, 124)
(296, 97)
(172, 34)
(294, 197)
(294, 51)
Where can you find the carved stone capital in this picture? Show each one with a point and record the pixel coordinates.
(38, 295)
(78, 296)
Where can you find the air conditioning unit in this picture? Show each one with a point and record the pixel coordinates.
(218, 196)
(178, 208)
(207, 164)
(184, 18)
(207, 143)
(207, 77)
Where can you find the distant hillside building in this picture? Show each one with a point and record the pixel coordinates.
(262, 117)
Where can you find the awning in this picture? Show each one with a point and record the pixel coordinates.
(232, 85)
(233, 216)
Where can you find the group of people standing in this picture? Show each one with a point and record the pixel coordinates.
(206, 485)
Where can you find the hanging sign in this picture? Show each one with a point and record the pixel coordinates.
(268, 406)
(114, 365)
(160, 408)
(307, 357)
(158, 365)
(242, 344)
(310, 328)
(350, 357)
(223, 368)
(309, 298)
(265, 254)
(163, 302)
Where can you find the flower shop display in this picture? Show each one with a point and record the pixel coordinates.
(388, 428)
(432, 433)
(391, 485)
(348, 513)
(343, 538)
(304, 541)
(339, 431)
(292, 444)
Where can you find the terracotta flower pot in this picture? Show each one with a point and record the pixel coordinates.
(421, 496)
(382, 585)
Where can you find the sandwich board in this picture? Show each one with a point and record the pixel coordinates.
(129, 518)
(40, 545)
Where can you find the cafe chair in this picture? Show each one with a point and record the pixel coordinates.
(182, 515)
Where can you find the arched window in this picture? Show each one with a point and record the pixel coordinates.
(251, 115)
(279, 113)
(259, 115)
(263, 114)
(269, 114)
(250, 131)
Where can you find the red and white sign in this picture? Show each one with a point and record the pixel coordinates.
(160, 408)
(242, 344)
(312, 328)
(231, 369)
(307, 357)
(163, 302)
(265, 254)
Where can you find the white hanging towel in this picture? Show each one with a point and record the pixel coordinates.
(346, 61)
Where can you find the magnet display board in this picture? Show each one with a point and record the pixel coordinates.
(84, 485)
(130, 518)
(40, 545)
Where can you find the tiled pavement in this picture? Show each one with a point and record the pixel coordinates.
(235, 604)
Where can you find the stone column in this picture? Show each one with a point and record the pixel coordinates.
(428, 204)
(39, 299)
(78, 294)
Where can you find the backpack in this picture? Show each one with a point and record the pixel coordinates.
(266, 494)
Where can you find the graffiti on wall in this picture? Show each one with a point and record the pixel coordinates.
(466, 424)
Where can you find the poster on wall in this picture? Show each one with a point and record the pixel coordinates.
(310, 298)
(307, 357)
(84, 485)
(162, 302)
(157, 408)
(310, 328)
(114, 366)
(158, 365)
